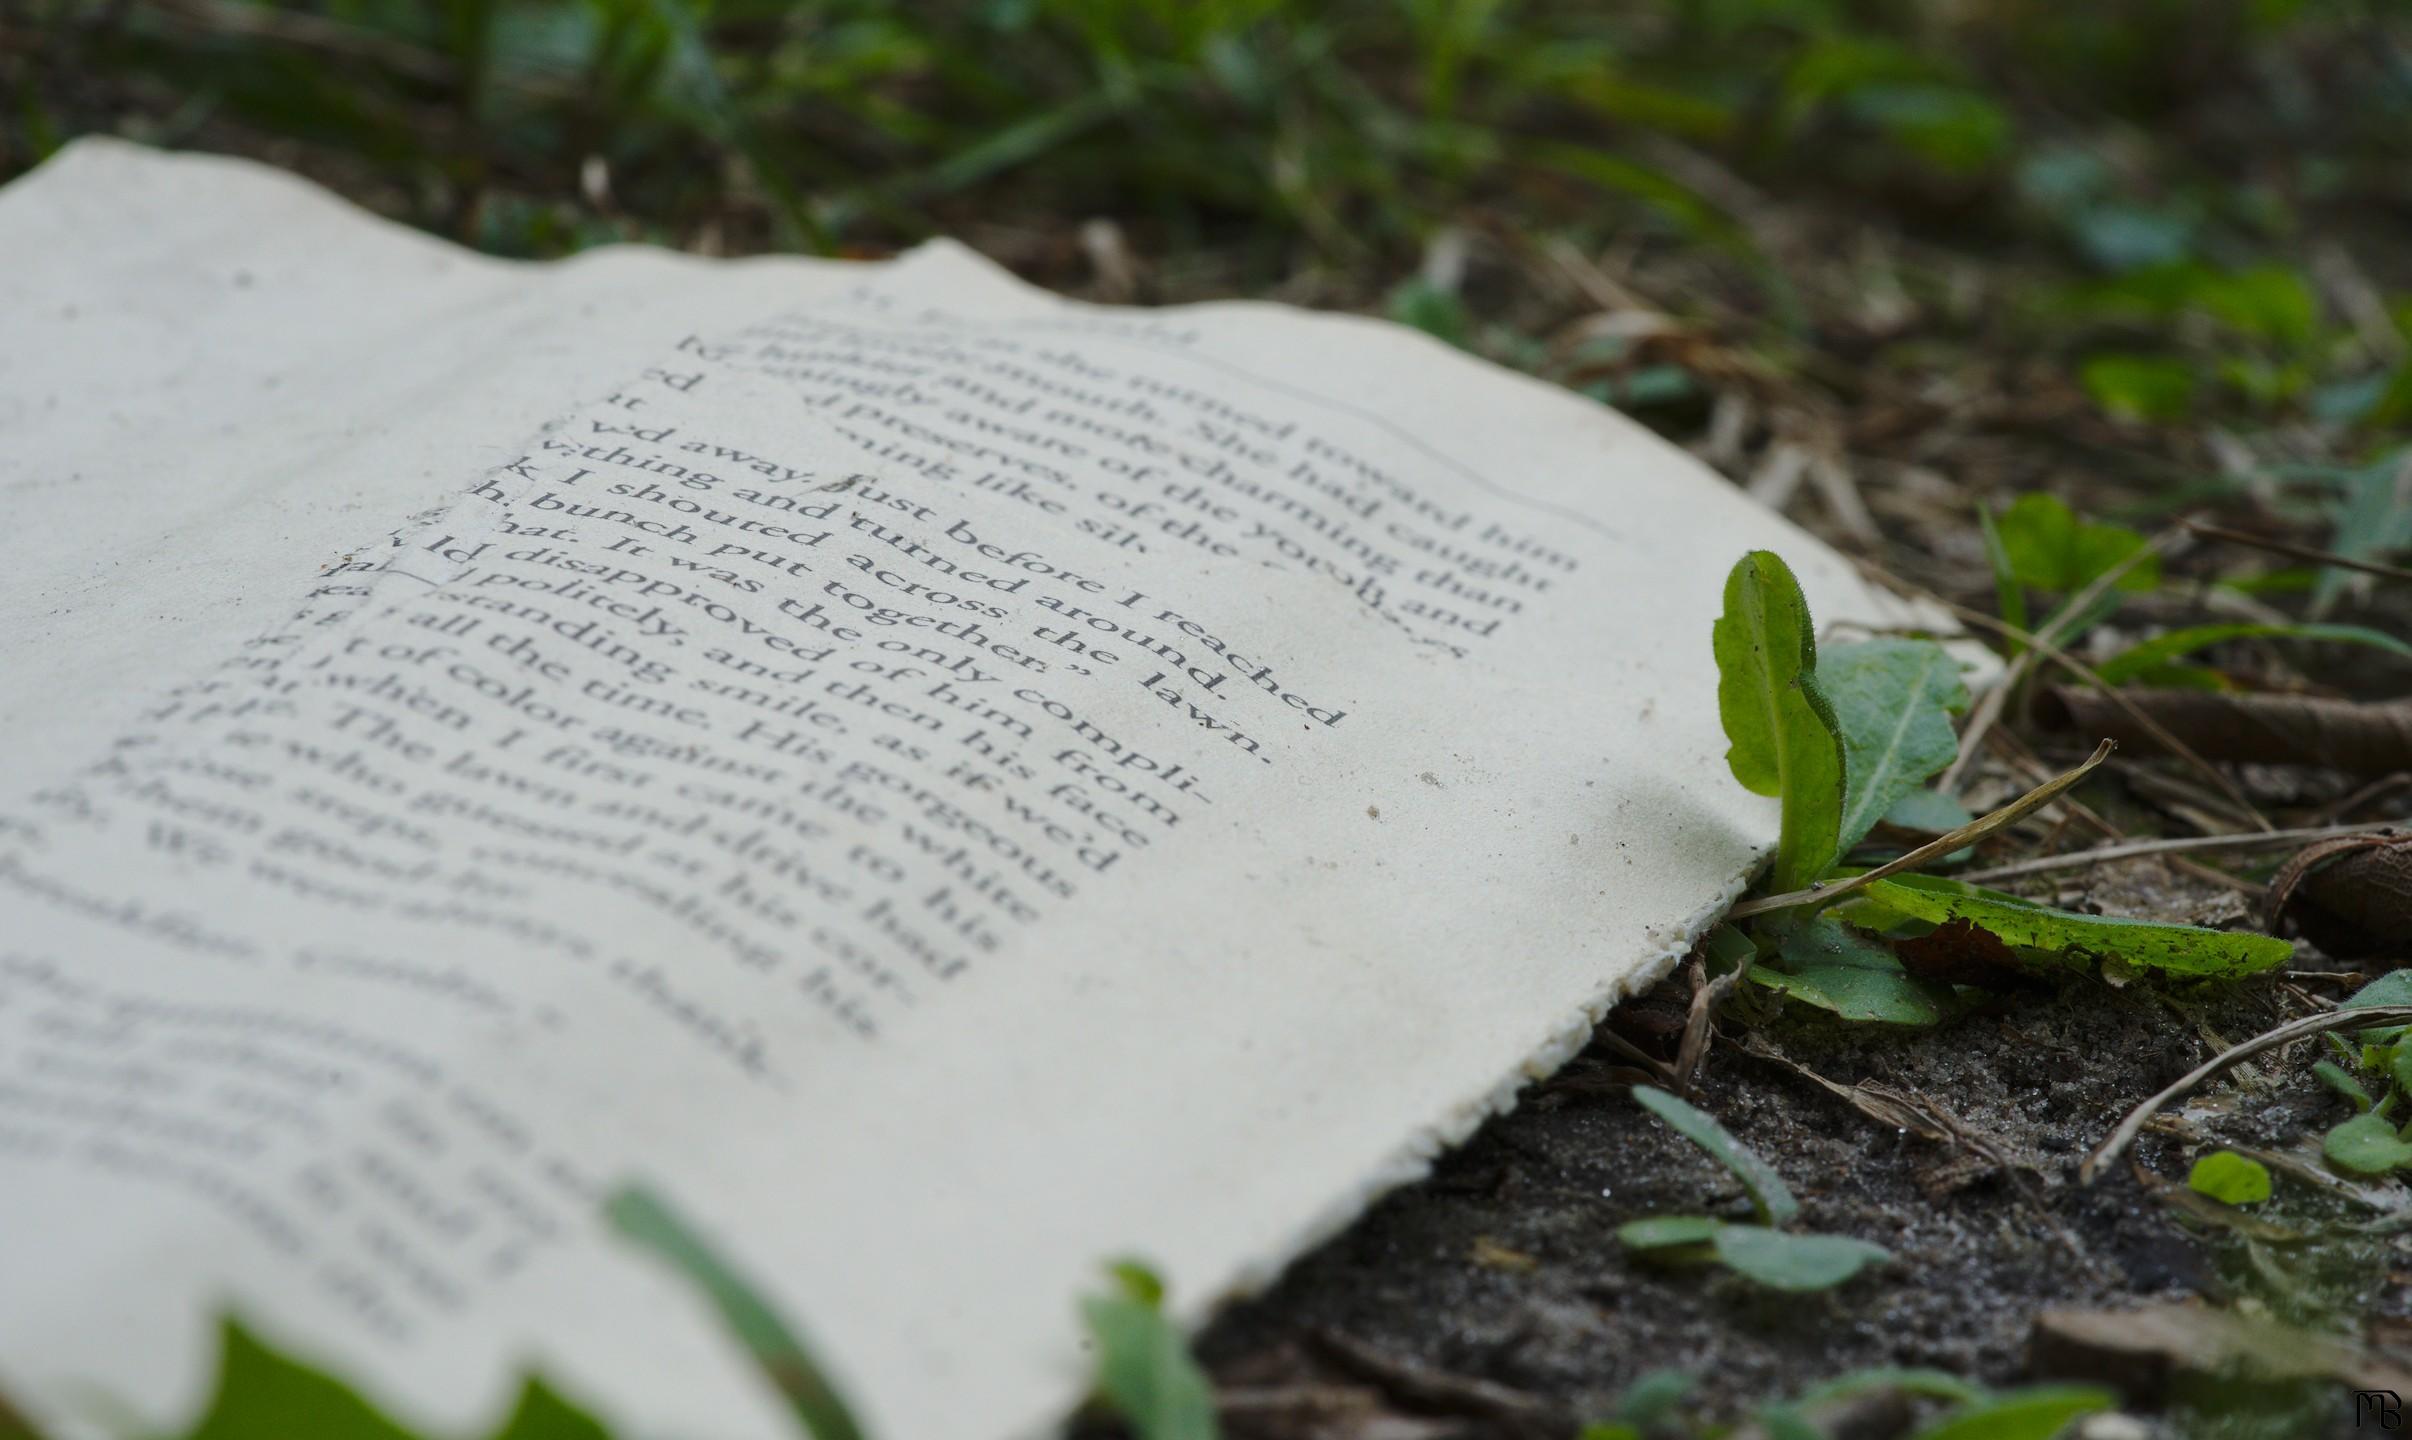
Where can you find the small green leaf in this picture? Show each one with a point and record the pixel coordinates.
(1782, 1260)
(1651, 1399)
(777, 1351)
(1610, 1430)
(1828, 965)
(2177, 949)
(1785, 741)
(2140, 387)
(2341, 1080)
(1667, 1232)
(1768, 1195)
(1894, 699)
(2366, 1145)
(2051, 549)
(2230, 1178)
(1438, 313)
(2139, 661)
(2038, 1412)
(1144, 1369)
(2392, 988)
(1725, 948)
(263, 1392)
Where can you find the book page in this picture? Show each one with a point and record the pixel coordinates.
(949, 785)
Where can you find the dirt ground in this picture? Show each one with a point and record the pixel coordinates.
(1493, 1299)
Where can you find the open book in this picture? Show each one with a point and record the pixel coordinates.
(948, 784)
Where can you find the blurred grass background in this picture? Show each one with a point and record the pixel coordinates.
(1886, 255)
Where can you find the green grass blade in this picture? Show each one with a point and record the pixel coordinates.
(1144, 1369)
(1768, 1193)
(2162, 649)
(781, 1355)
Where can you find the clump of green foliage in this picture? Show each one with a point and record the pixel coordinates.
(1841, 736)
(2372, 1142)
(1650, 1407)
(1769, 1252)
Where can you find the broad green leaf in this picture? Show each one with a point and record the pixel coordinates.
(2342, 1081)
(1928, 810)
(2177, 949)
(1610, 1430)
(1785, 741)
(2230, 1178)
(1768, 1195)
(1667, 1232)
(2038, 1412)
(777, 1351)
(1438, 313)
(1894, 699)
(2366, 1145)
(1826, 964)
(263, 1392)
(1144, 1368)
(2140, 661)
(1782, 1260)
(2051, 549)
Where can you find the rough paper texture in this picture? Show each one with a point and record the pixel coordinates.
(948, 784)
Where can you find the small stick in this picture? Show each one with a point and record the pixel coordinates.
(1990, 705)
(2021, 758)
(2366, 1017)
(2135, 712)
(1707, 995)
(1981, 722)
(1959, 839)
(2294, 551)
(2131, 848)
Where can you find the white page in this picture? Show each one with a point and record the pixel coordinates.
(339, 989)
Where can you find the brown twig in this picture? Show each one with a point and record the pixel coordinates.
(1432, 1389)
(2150, 726)
(2358, 737)
(2129, 849)
(1959, 839)
(1707, 995)
(2297, 552)
(2310, 1025)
